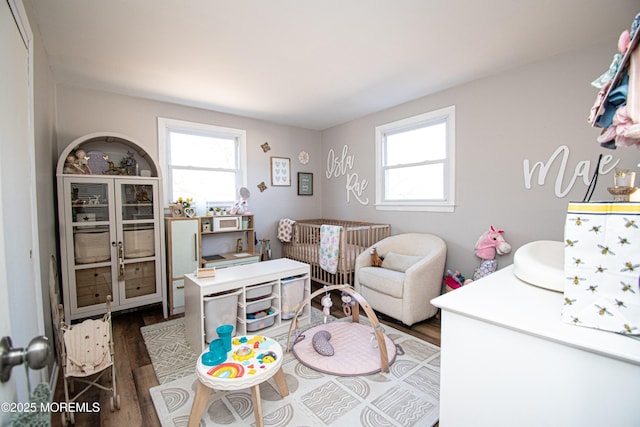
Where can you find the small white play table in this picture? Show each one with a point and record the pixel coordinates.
(239, 371)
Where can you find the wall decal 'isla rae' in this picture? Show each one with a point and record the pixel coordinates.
(340, 166)
(582, 169)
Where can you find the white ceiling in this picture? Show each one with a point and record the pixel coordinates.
(313, 64)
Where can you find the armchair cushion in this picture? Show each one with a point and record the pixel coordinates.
(399, 262)
(385, 281)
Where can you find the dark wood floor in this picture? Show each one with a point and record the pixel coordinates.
(135, 375)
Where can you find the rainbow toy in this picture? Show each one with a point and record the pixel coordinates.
(227, 370)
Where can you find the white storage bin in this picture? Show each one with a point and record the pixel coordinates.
(139, 243)
(258, 291)
(221, 309)
(91, 246)
(261, 323)
(259, 305)
(292, 295)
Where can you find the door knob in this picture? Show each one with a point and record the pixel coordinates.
(36, 355)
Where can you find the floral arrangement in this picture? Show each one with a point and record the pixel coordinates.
(621, 172)
(624, 178)
(129, 165)
(186, 202)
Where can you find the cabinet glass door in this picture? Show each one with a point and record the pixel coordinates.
(139, 218)
(93, 242)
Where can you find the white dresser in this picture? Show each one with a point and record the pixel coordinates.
(508, 359)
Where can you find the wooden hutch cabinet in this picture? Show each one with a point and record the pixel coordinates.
(111, 228)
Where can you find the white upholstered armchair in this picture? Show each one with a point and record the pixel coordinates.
(410, 276)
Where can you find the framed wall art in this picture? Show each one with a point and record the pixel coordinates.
(280, 172)
(305, 184)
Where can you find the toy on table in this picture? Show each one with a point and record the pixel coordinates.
(243, 353)
(268, 357)
(216, 354)
(254, 341)
(227, 370)
(250, 356)
(490, 244)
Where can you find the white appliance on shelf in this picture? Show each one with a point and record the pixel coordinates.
(227, 223)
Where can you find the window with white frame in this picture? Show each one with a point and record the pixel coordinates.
(204, 162)
(415, 163)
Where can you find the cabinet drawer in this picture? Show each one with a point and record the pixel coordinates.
(93, 276)
(98, 295)
(140, 279)
(92, 286)
(139, 270)
(139, 287)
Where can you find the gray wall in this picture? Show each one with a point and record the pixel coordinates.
(81, 111)
(526, 113)
(46, 155)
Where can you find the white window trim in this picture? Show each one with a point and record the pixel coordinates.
(165, 125)
(447, 205)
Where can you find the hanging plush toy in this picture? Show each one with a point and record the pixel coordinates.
(487, 246)
(347, 303)
(326, 306)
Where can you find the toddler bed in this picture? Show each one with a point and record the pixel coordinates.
(355, 237)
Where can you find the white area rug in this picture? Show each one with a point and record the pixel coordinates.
(408, 395)
(170, 353)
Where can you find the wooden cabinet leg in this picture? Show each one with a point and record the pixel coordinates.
(199, 403)
(257, 406)
(281, 383)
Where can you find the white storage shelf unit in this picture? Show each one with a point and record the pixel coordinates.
(259, 287)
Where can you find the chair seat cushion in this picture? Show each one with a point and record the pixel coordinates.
(87, 348)
(388, 282)
(399, 262)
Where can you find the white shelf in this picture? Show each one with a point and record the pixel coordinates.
(245, 277)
